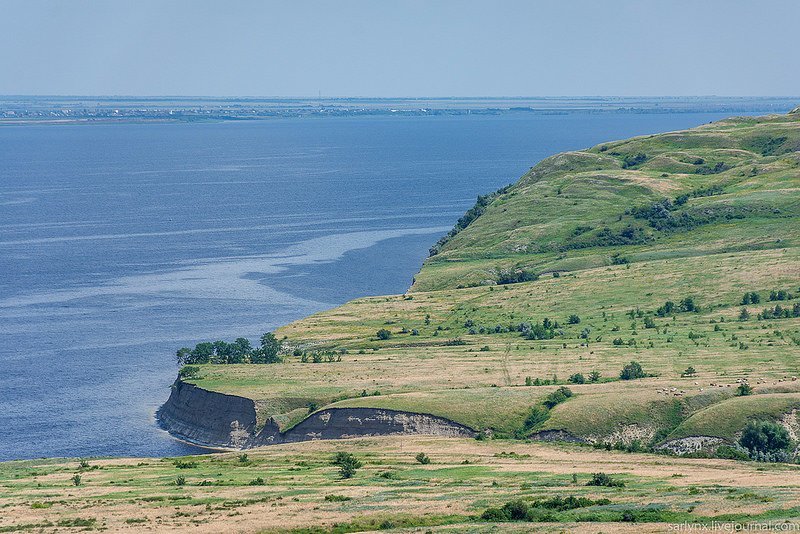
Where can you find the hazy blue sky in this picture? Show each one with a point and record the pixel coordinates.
(400, 48)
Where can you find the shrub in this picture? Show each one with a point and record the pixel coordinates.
(256, 482)
(536, 417)
(594, 376)
(573, 319)
(779, 295)
(602, 479)
(632, 371)
(667, 308)
(577, 378)
(690, 371)
(632, 160)
(568, 503)
(516, 510)
(76, 480)
(383, 334)
(744, 389)
(188, 371)
(728, 452)
(751, 298)
(180, 464)
(423, 458)
(515, 277)
(494, 515)
(687, 305)
(764, 437)
(557, 397)
(744, 314)
(180, 481)
(348, 464)
(337, 498)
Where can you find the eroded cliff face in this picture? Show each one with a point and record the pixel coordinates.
(227, 421)
(208, 418)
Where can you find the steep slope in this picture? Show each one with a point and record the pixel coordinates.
(644, 249)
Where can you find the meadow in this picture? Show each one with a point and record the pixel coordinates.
(295, 488)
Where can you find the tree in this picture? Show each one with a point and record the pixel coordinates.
(184, 356)
(423, 458)
(383, 334)
(688, 305)
(348, 464)
(666, 309)
(751, 298)
(632, 371)
(239, 350)
(573, 319)
(269, 350)
(594, 376)
(744, 314)
(577, 378)
(690, 371)
(744, 390)
(764, 436)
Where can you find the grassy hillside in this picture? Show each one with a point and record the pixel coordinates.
(608, 235)
(730, 185)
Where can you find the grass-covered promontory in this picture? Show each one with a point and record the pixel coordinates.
(678, 251)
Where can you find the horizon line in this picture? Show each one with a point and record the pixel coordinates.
(451, 97)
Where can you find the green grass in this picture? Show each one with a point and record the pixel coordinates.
(464, 478)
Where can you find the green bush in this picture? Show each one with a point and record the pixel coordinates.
(383, 334)
(557, 397)
(602, 479)
(577, 378)
(632, 371)
(337, 498)
(188, 371)
(727, 452)
(536, 417)
(423, 458)
(765, 437)
(347, 463)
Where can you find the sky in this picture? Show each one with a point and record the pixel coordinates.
(397, 48)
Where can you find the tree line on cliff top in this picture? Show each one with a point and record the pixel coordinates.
(240, 351)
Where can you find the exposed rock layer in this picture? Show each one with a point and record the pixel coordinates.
(228, 421)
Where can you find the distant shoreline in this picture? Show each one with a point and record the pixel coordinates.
(53, 110)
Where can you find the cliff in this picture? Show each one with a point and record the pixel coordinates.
(227, 421)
